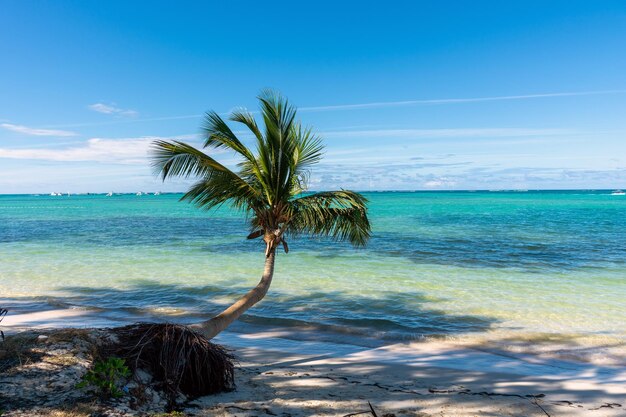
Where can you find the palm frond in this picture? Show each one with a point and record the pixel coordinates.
(219, 135)
(267, 184)
(341, 215)
(308, 149)
(246, 118)
(219, 188)
(178, 159)
(275, 156)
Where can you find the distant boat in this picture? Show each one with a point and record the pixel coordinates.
(109, 194)
(55, 194)
(157, 193)
(618, 192)
(139, 193)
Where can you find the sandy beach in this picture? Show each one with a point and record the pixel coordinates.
(295, 209)
(280, 376)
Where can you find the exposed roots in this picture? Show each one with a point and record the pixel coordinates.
(181, 359)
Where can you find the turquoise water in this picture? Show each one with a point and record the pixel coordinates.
(514, 266)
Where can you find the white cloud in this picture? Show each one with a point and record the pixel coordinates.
(36, 132)
(456, 100)
(119, 151)
(111, 109)
(442, 182)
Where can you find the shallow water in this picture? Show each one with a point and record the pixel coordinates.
(545, 267)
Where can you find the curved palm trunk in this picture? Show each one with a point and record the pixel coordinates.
(214, 326)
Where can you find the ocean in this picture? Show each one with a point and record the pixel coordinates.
(536, 271)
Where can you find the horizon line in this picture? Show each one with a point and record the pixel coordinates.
(517, 190)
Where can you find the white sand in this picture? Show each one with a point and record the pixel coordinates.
(279, 376)
(431, 378)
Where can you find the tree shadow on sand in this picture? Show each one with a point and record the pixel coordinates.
(315, 378)
(386, 316)
(270, 383)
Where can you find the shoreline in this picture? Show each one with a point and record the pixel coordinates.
(307, 377)
(28, 315)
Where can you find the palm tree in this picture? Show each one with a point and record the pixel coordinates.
(269, 186)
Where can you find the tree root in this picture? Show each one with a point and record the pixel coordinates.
(181, 359)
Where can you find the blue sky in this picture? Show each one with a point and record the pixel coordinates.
(408, 95)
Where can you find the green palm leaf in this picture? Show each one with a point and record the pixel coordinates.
(341, 215)
(267, 184)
